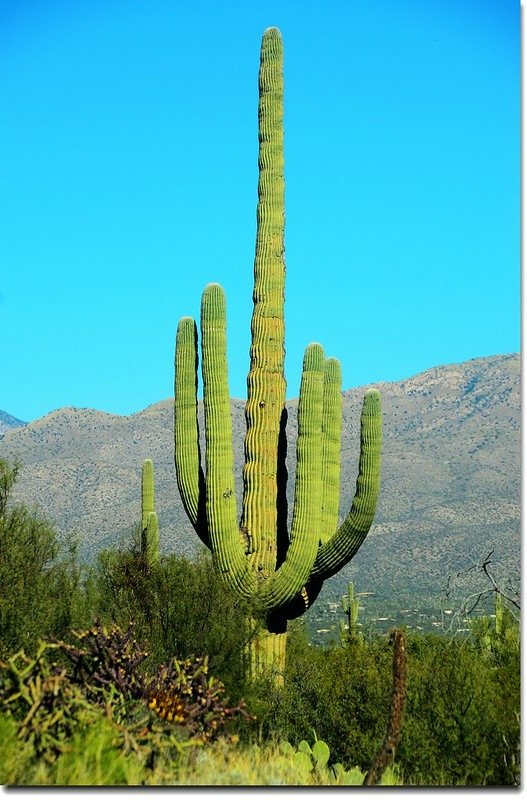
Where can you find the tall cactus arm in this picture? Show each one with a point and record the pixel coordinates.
(189, 472)
(266, 384)
(336, 552)
(291, 576)
(331, 436)
(226, 541)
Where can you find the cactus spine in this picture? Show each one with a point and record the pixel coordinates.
(254, 553)
(149, 524)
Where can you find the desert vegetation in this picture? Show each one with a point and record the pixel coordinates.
(147, 668)
(126, 672)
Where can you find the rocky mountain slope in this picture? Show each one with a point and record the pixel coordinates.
(450, 479)
(7, 422)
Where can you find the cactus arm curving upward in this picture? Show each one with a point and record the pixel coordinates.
(331, 435)
(341, 548)
(222, 519)
(290, 577)
(189, 472)
(266, 382)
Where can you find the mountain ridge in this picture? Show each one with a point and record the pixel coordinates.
(8, 421)
(450, 484)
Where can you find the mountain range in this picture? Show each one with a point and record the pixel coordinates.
(450, 489)
(7, 422)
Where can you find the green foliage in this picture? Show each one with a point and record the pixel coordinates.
(270, 764)
(39, 579)
(461, 721)
(75, 710)
(51, 704)
(42, 699)
(177, 607)
(99, 754)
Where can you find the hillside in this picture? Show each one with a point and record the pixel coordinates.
(450, 480)
(7, 422)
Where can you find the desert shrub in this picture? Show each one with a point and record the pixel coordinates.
(105, 663)
(45, 704)
(342, 693)
(179, 608)
(40, 579)
(55, 697)
(461, 721)
(184, 693)
(14, 754)
(274, 763)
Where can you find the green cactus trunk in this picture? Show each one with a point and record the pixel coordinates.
(281, 572)
(149, 524)
(350, 605)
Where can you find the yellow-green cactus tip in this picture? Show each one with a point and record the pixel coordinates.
(314, 357)
(213, 302)
(185, 322)
(213, 288)
(372, 401)
(332, 368)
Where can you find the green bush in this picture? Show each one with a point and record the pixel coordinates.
(178, 607)
(39, 579)
(461, 721)
(341, 693)
(462, 725)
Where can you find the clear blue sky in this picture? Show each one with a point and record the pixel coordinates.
(129, 165)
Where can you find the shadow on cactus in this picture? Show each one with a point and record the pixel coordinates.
(254, 553)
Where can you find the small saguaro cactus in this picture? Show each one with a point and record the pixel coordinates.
(282, 573)
(149, 524)
(350, 606)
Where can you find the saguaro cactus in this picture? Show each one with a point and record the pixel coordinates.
(149, 524)
(350, 605)
(254, 553)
